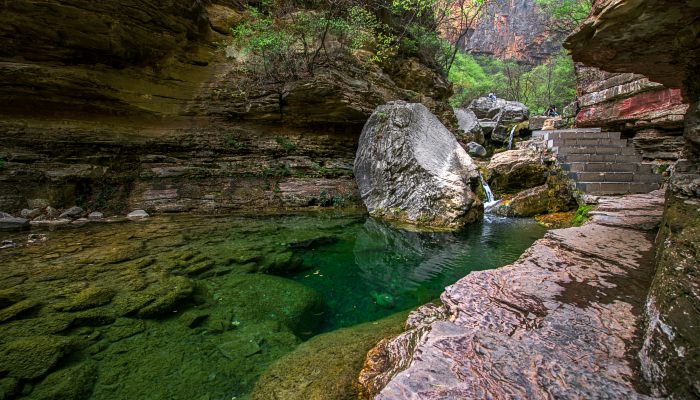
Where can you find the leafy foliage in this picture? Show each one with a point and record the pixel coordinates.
(537, 87)
(566, 15)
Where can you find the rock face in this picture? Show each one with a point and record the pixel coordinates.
(649, 112)
(515, 170)
(562, 321)
(410, 168)
(498, 117)
(670, 56)
(128, 105)
(514, 30)
(469, 124)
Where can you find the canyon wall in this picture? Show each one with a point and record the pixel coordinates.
(118, 105)
(663, 44)
(646, 111)
(514, 29)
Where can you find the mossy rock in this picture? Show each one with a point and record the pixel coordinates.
(17, 309)
(72, 383)
(32, 357)
(88, 298)
(8, 388)
(167, 296)
(281, 263)
(41, 326)
(254, 298)
(326, 366)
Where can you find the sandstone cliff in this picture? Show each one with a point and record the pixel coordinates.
(135, 104)
(514, 29)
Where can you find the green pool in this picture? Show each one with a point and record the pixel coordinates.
(193, 307)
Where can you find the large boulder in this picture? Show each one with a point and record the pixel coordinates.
(410, 168)
(500, 114)
(515, 170)
(469, 124)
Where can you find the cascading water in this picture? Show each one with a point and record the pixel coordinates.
(490, 200)
(510, 138)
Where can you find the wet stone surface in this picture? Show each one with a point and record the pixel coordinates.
(192, 307)
(564, 321)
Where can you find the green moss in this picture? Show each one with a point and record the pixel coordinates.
(582, 215)
(325, 367)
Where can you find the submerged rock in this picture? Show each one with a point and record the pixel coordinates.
(72, 383)
(296, 306)
(32, 357)
(325, 366)
(410, 168)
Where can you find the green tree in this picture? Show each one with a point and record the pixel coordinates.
(566, 15)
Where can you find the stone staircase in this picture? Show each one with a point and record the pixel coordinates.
(600, 162)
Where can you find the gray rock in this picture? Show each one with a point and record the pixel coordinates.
(51, 212)
(52, 223)
(94, 216)
(30, 214)
(137, 214)
(496, 118)
(475, 149)
(73, 212)
(469, 124)
(410, 168)
(10, 223)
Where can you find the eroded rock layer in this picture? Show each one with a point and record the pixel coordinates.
(646, 111)
(564, 321)
(141, 104)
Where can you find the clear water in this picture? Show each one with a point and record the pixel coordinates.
(198, 307)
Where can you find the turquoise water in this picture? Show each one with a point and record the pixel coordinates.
(372, 261)
(191, 307)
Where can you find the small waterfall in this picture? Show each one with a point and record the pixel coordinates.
(490, 200)
(510, 138)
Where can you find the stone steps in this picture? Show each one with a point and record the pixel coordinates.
(601, 163)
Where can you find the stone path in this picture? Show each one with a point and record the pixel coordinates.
(564, 321)
(600, 162)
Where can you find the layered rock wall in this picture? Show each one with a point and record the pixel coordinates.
(136, 104)
(646, 111)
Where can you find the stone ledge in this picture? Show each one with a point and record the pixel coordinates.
(560, 322)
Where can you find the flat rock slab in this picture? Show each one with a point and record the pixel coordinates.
(564, 321)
